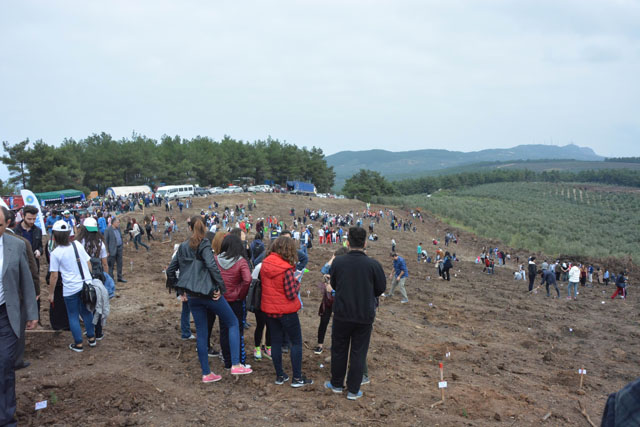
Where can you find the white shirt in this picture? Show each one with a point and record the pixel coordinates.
(63, 260)
(1, 264)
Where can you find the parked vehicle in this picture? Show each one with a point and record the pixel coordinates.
(176, 191)
(198, 191)
(216, 190)
(233, 189)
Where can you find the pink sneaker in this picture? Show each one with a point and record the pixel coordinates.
(211, 378)
(241, 370)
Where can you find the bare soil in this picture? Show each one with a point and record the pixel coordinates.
(514, 356)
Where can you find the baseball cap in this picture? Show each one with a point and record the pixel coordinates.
(61, 226)
(66, 212)
(90, 224)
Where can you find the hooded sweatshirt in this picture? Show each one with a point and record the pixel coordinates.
(574, 274)
(236, 276)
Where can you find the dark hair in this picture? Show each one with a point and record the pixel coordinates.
(61, 238)
(232, 247)
(341, 251)
(236, 232)
(286, 233)
(257, 237)
(209, 235)
(447, 253)
(197, 226)
(357, 237)
(92, 242)
(30, 210)
(393, 254)
(9, 217)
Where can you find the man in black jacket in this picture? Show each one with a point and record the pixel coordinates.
(357, 281)
(28, 229)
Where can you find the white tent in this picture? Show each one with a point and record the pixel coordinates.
(125, 191)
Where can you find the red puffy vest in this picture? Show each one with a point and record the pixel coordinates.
(274, 300)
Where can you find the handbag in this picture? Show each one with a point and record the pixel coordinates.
(88, 292)
(254, 297)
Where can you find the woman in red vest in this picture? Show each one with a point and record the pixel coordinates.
(280, 302)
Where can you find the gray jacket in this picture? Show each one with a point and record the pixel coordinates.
(111, 241)
(19, 292)
(102, 303)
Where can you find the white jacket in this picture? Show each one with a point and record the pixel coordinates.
(574, 274)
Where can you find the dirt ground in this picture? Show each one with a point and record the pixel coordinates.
(514, 356)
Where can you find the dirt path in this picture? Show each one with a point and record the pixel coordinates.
(514, 356)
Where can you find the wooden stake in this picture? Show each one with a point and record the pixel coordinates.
(441, 385)
(583, 411)
(582, 373)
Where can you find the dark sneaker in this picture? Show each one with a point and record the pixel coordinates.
(100, 337)
(301, 382)
(213, 353)
(327, 384)
(93, 343)
(318, 350)
(75, 348)
(282, 379)
(352, 396)
(365, 380)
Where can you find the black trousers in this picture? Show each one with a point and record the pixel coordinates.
(343, 335)
(324, 322)
(115, 260)
(532, 279)
(8, 344)
(261, 323)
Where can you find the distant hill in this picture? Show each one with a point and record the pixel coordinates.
(394, 165)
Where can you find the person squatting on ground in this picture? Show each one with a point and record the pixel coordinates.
(358, 281)
(280, 302)
(202, 286)
(399, 276)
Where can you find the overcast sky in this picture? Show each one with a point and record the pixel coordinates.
(397, 75)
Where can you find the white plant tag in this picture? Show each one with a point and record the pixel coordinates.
(582, 371)
(41, 405)
(442, 384)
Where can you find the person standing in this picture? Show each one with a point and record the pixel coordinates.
(113, 239)
(17, 302)
(399, 275)
(574, 279)
(280, 303)
(533, 270)
(621, 286)
(10, 222)
(357, 281)
(28, 229)
(419, 251)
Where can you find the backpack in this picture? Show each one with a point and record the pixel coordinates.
(447, 263)
(254, 297)
(88, 293)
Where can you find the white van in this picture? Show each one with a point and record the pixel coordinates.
(176, 191)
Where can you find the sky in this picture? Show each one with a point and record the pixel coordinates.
(339, 75)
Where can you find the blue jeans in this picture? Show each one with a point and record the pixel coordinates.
(185, 324)
(573, 285)
(76, 308)
(289, 324)
(199, 307)
(138, 241)
(109, 284)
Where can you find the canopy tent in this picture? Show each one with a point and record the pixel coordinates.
(125, 191)
(60, 196)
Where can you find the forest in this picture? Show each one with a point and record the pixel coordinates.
(99, 161)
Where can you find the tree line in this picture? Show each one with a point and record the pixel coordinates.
(623, 159)
(98, 162)
(368, 185)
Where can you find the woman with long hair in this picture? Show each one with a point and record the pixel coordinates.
(237, 278)
(64, 262)
(280, 302)
(202, 286)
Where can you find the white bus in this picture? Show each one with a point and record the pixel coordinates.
(175, 191)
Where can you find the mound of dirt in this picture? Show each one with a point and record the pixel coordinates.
(513, 356)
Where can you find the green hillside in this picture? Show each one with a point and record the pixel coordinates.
(557, 219)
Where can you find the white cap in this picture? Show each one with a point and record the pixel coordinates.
(61, 225)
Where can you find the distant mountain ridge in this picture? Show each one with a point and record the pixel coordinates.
(401, 164)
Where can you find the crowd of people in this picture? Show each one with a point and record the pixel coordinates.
(216, 269)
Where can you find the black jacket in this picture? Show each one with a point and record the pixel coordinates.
(358, 280)
(36, 236)
(193, 278)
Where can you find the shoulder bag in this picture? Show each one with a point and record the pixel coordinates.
(88, 292)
